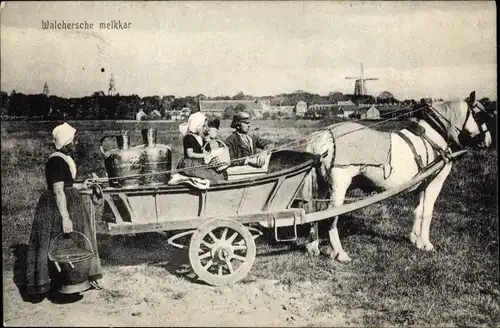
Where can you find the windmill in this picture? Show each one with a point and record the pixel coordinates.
(359, 86)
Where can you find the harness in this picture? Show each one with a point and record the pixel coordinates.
(420, 132)
(435, 121)
(431, 117)
(418, 158)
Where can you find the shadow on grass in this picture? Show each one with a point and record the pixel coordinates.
(20, 253)
(144, 248)
(350, 225)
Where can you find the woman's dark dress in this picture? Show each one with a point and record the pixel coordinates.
(191, 164)
(47, 224)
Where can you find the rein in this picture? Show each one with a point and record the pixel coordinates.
(434, 121)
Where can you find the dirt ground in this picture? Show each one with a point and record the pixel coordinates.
(144, 295)
(141, 287)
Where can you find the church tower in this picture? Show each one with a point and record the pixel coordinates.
(112, 90)
(45, 90)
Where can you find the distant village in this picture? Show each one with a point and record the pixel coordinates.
(295, 105)
(298, 105)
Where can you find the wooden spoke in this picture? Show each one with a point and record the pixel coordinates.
(229, 266)
(224, 234)
(204, 256)
(207, 244)
(208, 265)
(239, 257)
(239, 243)
(211, 234)
(232, 238)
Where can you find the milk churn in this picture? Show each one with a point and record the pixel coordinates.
(122, 161)
(140, 165)
(156, 158)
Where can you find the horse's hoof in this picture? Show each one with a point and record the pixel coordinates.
(428, 247)
(343, 257)
(413, 238)
(425, 246)
(313, 248)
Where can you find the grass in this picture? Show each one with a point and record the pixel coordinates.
(389, 281)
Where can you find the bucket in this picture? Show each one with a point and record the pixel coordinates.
(72, 261)
(218, 148)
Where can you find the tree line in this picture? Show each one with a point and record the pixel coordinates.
(99, 106)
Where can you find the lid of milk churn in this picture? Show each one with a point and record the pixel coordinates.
(149, 136)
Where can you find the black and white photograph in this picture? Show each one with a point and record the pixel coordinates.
(249, 163)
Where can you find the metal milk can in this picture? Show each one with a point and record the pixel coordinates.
(122, 161)
(143, 162)
(156, 159)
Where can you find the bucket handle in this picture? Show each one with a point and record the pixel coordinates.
(70, 263)
(220, 142)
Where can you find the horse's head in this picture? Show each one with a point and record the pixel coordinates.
(475, 128)
(466, 121)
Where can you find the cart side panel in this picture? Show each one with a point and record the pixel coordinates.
(177, 206)
(254, 198)
(287, 191)
(142, 208)
(223, 202)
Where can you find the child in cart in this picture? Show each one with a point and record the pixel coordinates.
(217, 148)
(194, 163)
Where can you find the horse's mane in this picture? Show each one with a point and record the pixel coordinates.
(452, 110)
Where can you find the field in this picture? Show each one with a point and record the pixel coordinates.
(388, 283)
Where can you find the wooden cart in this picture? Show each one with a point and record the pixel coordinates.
(222, 247)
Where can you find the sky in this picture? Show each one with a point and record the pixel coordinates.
(415, 49)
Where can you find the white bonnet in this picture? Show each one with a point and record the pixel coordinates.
(62, 135)
(195, 121)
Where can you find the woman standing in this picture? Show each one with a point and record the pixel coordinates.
(60, 209)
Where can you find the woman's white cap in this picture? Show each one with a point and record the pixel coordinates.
(195, 121)
(63, 134)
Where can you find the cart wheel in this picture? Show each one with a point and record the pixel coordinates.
(222, 251)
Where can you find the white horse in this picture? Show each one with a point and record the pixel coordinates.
(441, 127)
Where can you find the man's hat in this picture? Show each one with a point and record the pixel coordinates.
(240, 117)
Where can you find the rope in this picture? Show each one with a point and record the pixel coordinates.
(271, 150)
(354, 121)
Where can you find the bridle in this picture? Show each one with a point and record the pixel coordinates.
(478, 114)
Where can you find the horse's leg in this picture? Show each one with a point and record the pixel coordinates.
(417, 223)
(341, 182)
(312, 246)
(430, 195)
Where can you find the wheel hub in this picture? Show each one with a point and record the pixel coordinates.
(222, 252)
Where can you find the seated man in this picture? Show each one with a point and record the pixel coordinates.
(242, 146)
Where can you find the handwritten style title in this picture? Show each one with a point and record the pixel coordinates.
(63, 25)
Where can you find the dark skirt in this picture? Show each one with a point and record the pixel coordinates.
(191, 169)
(47, 224)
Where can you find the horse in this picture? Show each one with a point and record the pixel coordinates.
(439, 129)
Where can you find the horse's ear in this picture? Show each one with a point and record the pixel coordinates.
(472, 97)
